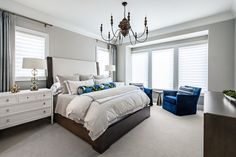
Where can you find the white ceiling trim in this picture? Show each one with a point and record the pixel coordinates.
(174, 38)
(32, 13)
(195, 23)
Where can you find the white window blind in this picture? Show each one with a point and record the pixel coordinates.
(103, 58)
(28, 45)
(140, 68)
(163, 69)
(193, 66)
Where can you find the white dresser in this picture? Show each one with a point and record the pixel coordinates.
(25, 106)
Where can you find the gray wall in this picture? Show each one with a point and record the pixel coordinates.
(62, 43)
(221, 68)
(235, 55)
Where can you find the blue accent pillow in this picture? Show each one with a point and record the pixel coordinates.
(84, 89)
(98, 87)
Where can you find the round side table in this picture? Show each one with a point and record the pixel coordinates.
(159, 93)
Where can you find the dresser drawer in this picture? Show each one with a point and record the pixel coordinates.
(12, 109)
(27, 97)
(24, 117)
(44, 95)
(8, 100)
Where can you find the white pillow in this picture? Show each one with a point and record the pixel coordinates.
(103, 81)
(72, 86)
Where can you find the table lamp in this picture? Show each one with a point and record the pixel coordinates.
(110, 68)
(34, 63)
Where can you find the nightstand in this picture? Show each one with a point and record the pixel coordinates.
(119, 84)
(25, 106)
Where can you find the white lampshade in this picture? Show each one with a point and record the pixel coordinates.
(110, 68)
(34, 63)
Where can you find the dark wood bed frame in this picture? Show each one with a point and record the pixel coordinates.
(114, 131)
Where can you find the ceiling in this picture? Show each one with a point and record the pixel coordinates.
(87, 15)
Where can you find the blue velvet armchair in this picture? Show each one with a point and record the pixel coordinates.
(148, 91)
(181, 102)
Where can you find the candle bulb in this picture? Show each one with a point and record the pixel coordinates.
(101, 28)
(111, 20)
(145, 21)
(128, 16)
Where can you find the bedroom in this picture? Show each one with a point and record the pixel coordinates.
(67, 38)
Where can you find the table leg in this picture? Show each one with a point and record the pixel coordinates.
(158, 99)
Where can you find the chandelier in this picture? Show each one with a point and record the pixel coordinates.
(125, 30)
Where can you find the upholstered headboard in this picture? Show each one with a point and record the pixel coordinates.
(69, 67)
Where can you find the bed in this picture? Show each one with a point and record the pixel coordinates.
(117, 129)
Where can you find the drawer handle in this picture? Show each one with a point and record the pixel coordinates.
(7, 100)
(44, 103)
(44, 111)
(7, 110)
(44, 95)
(27, 97)
(8, 120)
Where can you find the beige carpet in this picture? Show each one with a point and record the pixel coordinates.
(162, 135)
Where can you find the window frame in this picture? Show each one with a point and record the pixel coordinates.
(35, 33)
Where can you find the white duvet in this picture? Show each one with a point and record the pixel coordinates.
(100, 109)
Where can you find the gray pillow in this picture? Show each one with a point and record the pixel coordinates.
(186, 90)
(62, 80)
(86, 77)
(100, 76)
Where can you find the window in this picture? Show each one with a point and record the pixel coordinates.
(29, 44)
(193, 66)
(103, 58)
(163, 69)
(140, 68)
(173, 66)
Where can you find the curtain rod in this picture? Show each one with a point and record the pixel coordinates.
(46, 24)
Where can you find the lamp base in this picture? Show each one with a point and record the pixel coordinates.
(34, 83)
(34, 88)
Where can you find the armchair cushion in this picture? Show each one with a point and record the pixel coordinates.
(171, 99)
(186, 90)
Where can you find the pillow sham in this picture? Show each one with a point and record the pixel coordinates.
(72, 86)
(86, 77)
(61, 79)
(56, 88)
(103, 81)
